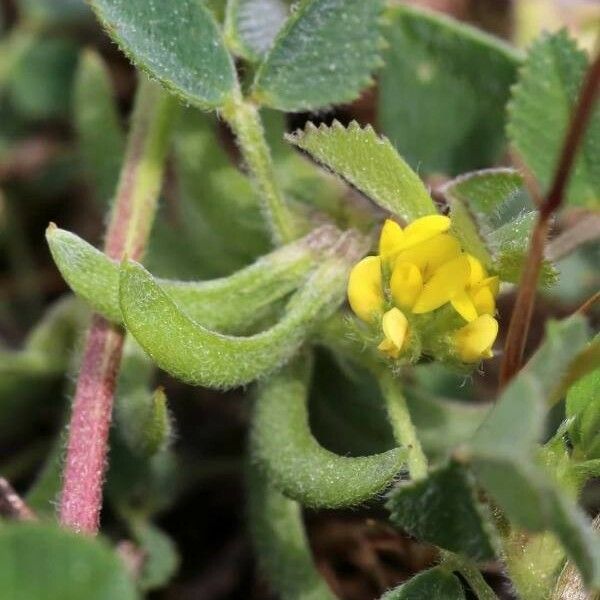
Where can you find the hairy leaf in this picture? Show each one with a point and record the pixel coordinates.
(503, 450)
(540, 111)
(493, 218)
(101, 138)
(296, 463)
(251, 26)
(443, 91)
(444, 510)
(43, 562)
(178, 43)
(433, 584)
(325, 54)
(200, 356)
(232, 304)
(370, 163)
(280, 541)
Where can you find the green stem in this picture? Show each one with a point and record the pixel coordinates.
(244, 119)
(403, 428)
(471, 573)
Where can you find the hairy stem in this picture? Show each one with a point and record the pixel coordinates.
(244, 119)
(523, 309)
(128, 231)
(471, 573)
(403, 428)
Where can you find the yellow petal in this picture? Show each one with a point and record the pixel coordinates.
(406, 284)
(424, 229)
(431, 254)
(464, 306)
(395, 327)
(390, 239)
(478, 272)
(474, 341)
(364, 288)
(450, 279)
(484, 301)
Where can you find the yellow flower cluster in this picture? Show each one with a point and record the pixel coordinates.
(420, 269)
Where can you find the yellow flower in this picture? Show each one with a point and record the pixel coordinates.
(448, 281)
(395, 329)
(474, 341)
(420, 269)
(365, 291)
(479, 296)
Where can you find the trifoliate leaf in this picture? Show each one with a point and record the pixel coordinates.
(325, 54)
(296, 463)
(540, 112)
(443, 91)
(370, 163)
(178, 43)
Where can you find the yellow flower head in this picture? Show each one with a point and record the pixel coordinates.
(419, 270)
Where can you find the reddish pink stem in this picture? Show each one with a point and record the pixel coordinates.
(133, 213)
(90, 424)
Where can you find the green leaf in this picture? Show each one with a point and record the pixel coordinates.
(161, 560)
(493, 218)
(177, 43)
(443, 91)
(200, 356)
(101, 138)
(370, 163)
(583, 407)
(283, 550)
(251, 26)
(540, 111)
(444, 510)
(283, 445)
(230, 304)
(433, 584)
(504, 450)
(142, 415)
(325, 54)
(43, 562)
